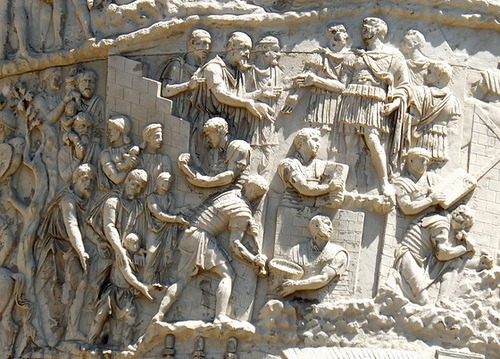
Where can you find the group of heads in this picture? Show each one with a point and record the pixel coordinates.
(85, 81)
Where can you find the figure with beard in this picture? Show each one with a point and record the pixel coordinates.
(377, 86)
(224, 94)
(180, 75)
(265, 84)
(79, 147)
(121, 157)
(61, 252)
(89, 102)
(151, 159)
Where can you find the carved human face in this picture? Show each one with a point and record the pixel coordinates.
(338, 38)
(272, 54)
(241, 56)
(322, 231)
(84, 186)
(54, 81)
(201, 47)
(114, 133)
(81, 128)
(418, 164)
(131, 243)
(213, 138)
(155, 139)
(408, 43)
(311, 144)
(133, 187)
(368, 31)
(164, 183)
(86, 86)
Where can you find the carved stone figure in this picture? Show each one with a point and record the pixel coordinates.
(377, 86)
(201, 252)
(265, 85)
(226, 163)
(79, 146)
(180, 74)
(11, 147)
(162, 231)
(223, 93)
(321, 259)
(417, 62)
(61, 252)
(414, 192)
(305, 175)
(199, 348)
(120, 157)
(488, 87)
(117, 299)
(118, 218)
(325, 79)
(436, 107)
(151, 159)
(90, 102)
(50, 106)
(428, 248)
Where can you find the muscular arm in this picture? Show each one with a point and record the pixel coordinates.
(110, 230)
(169, 86)
(221, 179)
(157, 211)
(73, 229)
(237, 247)
(409, 207)
(312, 189)
(443, 250)
(110, 170)
(328, 273)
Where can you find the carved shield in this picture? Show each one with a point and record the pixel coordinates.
(5, 157)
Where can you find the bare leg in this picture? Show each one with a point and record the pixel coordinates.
(99, 321)
(45, 15)
(21, 27)
(83, 15)
(57, 20)
(224, 290)
(377, 153)
(173, 293)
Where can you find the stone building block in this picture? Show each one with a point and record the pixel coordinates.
(164, 105)
(131, 95)
(124, 79)
(147, 101)
(115, 90)
(117, 63)
(123, 106)
(132, 67)
(139, 112)
(139, 84)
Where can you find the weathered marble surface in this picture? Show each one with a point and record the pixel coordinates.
(249, 179)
